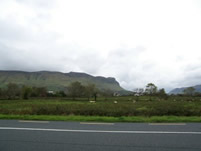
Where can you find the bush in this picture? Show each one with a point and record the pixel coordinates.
(102, 108)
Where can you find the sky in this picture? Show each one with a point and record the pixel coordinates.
(135, 41)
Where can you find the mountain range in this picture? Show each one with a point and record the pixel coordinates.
(180, 90)
(57, 80)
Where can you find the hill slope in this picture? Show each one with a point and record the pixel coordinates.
(180, 90)
(56, 80)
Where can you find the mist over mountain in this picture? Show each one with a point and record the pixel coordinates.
(57, 80)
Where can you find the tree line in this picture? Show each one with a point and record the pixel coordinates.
(77, 90)
(74, 90)
(151, 90)
(14, 91)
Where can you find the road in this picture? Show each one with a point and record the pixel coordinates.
(85, 136)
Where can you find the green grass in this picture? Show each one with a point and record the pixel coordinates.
(175, 109)
(101, 108)
(159, 119)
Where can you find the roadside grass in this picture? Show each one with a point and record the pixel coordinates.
(135, 119)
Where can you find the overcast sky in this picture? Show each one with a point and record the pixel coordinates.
(135, 41)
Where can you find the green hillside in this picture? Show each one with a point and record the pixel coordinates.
(57, 80)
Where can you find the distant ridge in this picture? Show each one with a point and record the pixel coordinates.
(57, 80)
(180, 90)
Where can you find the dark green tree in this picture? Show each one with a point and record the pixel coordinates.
(12, 91)
(60, 94)
(95, 93)
(1, 93)
(190, 91)
(151, 89)
(39, 92)
(26, 92)
(89, 89)
(42, 91)
(76, 89)
(162, 94)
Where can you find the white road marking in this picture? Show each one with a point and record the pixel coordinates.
(171, 124)
(98, 131)
(93, 123)
(27, 121)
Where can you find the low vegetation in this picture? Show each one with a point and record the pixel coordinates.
(92, 105)
(110, 107)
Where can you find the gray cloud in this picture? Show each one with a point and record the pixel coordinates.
(37, 3)
(34, 37)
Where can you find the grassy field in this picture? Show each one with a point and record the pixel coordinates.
(126, 109)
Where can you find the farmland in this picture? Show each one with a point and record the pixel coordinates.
(125, 108)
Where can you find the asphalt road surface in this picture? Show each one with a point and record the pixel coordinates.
(86, 136)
